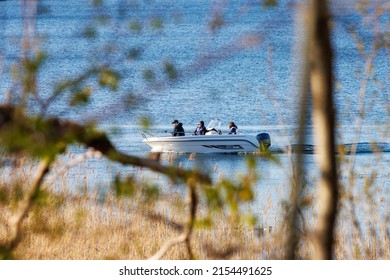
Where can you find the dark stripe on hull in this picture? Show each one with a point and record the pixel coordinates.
(224, 147)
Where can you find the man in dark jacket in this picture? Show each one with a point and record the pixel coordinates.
(178, 129)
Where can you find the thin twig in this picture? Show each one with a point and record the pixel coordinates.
(292, 212)
(65, 168)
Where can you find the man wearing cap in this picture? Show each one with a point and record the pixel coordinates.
(178, 129)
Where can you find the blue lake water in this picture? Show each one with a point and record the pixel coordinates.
(256, 85)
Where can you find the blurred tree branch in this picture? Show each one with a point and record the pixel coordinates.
(58, 134)
(321, 78)
(316, 77)
(185, 237)
(25, 206)
(293, 213)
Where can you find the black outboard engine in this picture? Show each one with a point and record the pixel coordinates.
(264, 141)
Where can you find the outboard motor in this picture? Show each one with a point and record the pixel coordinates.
(264, 140)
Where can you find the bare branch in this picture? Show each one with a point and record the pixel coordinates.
(164, 249)
(25, 206)
(293, 212)
(79, 159)
(185, 237)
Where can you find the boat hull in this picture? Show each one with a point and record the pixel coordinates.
(204, 144)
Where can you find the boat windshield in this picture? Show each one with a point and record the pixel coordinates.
(215, 123)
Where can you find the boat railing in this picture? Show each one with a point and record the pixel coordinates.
(145, 134)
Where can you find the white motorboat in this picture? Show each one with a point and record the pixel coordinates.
(212, 142)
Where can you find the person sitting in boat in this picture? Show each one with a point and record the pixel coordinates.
(178, 130)
(232, 128)
(201, 129)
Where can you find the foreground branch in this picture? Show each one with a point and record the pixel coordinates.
(57, 133)
(185, 237)
(324, 123)
(25, 206)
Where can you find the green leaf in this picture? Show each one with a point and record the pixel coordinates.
(170, 70)
(156, 23)
(109, 78)
(30, 68)
(204, 222)
(135, 26)
(145, 122)
(249, 220)
(97, 3)
(149, 75)
(104, 19)
(90, 32)
(251, 162)
(151, 192)
(134, 53)
(81, 97)
(270, 3)
(125, 187)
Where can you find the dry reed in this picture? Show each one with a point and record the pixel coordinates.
(88, 224)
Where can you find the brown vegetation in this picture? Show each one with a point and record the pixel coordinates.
(88, 225)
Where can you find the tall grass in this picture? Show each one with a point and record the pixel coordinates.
(82, 223)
